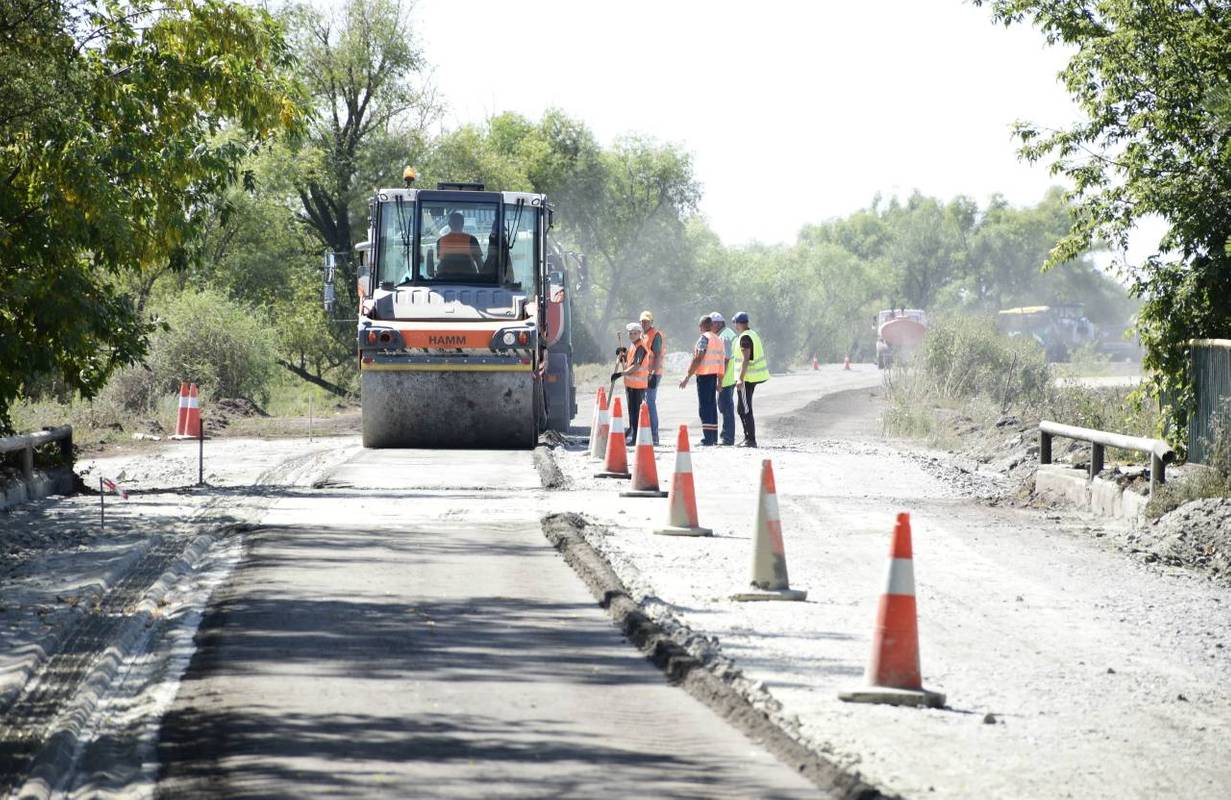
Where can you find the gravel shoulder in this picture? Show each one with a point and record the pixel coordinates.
(89, 612)
(1071, 670)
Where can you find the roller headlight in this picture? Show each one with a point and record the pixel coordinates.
(510, 338)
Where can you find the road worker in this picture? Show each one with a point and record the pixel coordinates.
(752, 369)
(636, 372)
(458, 251)
(656, 350)
(726, 386)
(707, 365)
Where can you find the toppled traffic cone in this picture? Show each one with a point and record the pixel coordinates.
(893, 674)
(600, 426)
(846, 363)
(682, 501)
(616, 463)
(645, 471)
(769, 578)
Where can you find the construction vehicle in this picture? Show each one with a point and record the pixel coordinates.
(899, 332)
(1058, 329)
(464, 319)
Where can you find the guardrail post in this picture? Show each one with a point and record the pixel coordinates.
(27, 462)
(1044, 447)
(66, 447)
(1096, 459)
(1158, 472)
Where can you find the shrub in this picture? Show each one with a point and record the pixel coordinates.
(214, 342)
(1213, 480)
(965, 357)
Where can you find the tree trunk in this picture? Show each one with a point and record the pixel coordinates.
(313, 379)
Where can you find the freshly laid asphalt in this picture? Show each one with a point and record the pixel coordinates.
(407, 631)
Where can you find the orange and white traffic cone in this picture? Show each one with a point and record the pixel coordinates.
(815, 364)
(893, 674)
(600, 426)
(645, 471)
(181, 418)
(846, 364)
(682, 501)
(193, 429)
(769, 578)
(616, 463)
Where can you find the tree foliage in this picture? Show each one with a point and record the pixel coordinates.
(108, 116)
(1153, 80)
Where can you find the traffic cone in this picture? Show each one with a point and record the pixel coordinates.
(645, 471)
(598, 428)
(846, 364)
(181, 419)
(815, 364)
(893, 674)
(682, 501)
(769, 579)
(193, 429)
(616, 463)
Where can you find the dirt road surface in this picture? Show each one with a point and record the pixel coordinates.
(1102, 676)
(326, 621)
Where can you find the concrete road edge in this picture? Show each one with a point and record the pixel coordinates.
(690, 673)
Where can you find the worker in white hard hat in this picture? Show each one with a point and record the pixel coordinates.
(655, 351)
(726, 384)
(751, 370)
(636, 373)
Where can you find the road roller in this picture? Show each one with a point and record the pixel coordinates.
(462, 314)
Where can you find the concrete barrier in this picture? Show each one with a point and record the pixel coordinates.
(1098, 495)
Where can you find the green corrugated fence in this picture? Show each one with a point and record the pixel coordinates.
(1212, 380)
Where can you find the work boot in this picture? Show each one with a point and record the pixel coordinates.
(748, 443)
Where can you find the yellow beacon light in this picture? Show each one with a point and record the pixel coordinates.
(408, 175)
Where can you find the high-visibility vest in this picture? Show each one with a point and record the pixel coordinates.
(711, 362)
(638, 377)
(656, 360)
(758, 367)
(728, 377)
(455, 243)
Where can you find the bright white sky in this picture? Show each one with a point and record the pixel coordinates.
(802, 111)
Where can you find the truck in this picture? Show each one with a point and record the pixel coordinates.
(899, 332)
(463, 335)
(1059, 329)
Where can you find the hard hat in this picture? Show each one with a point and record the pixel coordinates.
(717, 317)
(633, 327)
(647, 316)
(740, 316)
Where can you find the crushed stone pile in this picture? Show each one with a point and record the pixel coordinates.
(223, 412)
(1196, 535)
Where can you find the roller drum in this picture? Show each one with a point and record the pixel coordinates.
(449, 409)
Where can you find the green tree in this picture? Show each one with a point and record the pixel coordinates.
(1152, 78)
(365, 74)
(108, 112)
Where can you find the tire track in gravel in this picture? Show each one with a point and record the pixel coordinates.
(42, 723)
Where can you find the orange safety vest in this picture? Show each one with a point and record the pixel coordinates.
(656, 361)
(639, 376)
(711, 362)
(455, 243)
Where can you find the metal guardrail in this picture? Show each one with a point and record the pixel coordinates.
(26, 443)
(1211, 365)
(1160, 452)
